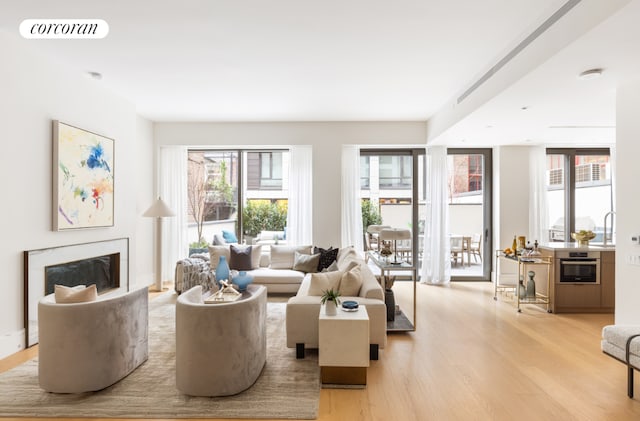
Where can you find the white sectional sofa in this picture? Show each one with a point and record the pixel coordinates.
(273, 268)
(303, 310)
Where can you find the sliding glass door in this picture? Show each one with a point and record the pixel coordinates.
(392, 192)
(469, 185)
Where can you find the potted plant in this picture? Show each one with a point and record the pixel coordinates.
(330, 300)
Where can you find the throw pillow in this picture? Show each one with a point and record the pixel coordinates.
(323, 281)
(218, 240)
(326, 257)
(306, 263)
(256, 255)
(229, 236)
(332, 268)
(215, 252)
(282, 257)
(77, 294)
(351, 282)
(240, 257)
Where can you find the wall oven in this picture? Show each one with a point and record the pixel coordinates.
(578, 267)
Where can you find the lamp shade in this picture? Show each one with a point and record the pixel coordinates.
(375, 229)
(392, 234)
(159, 209)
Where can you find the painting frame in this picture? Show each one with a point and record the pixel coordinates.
(83, 178)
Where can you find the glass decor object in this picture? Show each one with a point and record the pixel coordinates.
(222, 271)
(242, 280)
(531, 285)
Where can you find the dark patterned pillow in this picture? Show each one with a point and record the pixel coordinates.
(240, 258)
(326, 257)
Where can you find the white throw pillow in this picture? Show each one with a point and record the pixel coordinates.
(215, 252)
(76, 294)
(350, 283)
(283, 257)
(323, 281)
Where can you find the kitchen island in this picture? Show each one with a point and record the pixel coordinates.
(582, 277)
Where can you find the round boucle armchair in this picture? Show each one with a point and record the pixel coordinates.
(88, 346)
(220, 348)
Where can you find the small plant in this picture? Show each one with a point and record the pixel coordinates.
(330, 295)
(199, 244)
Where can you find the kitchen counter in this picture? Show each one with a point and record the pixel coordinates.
(574, 297)
(573, 246)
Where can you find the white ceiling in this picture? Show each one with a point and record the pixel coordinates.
(341, 60)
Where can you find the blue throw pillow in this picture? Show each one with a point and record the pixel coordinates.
(229, 237)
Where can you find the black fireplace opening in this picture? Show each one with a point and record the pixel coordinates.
(103, 271)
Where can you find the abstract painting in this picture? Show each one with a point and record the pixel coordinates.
(82, 178)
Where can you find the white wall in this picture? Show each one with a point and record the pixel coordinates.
(146, 183)
(511, 194)
(627, 202)
(326, 139)
(36, 89)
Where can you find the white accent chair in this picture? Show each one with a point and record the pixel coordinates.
(220, 348)
(88, 346)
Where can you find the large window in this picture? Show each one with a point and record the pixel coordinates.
(228, 189)
(579, 192)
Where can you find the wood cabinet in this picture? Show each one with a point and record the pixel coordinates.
(584, 298)
(608, 280)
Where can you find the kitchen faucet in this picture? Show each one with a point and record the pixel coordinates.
(604, 234)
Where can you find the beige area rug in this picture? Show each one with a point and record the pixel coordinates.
(287, 387)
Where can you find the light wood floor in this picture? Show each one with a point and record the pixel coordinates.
(473, 358)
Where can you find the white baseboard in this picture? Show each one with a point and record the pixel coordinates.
(11, 343)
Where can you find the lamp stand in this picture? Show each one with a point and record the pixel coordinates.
(395, 253)
(158, 283)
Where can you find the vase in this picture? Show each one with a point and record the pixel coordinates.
(390, 301)
(330, 308)
(222, 271)
(242, 280)
(531, 285)
(522, 290)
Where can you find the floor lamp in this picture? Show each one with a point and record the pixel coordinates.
(159, 209)
(395, 234)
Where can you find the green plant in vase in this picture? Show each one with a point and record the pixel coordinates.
(330, 299)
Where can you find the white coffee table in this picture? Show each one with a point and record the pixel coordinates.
(343, 348)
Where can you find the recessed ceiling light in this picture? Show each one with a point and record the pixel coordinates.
(590, 74)
(94, 75)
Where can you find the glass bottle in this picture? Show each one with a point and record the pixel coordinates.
(514, 246)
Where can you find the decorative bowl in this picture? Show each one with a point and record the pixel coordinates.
(583, 237)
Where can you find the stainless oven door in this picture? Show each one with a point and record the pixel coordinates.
(580, 271)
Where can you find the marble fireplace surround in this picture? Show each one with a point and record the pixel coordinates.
(36, 262)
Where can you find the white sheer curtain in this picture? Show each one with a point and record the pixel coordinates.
(300, 209)
(173, 190)
(436, 262)
(538, 208)
(351, 227)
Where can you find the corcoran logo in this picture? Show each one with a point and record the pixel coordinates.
(64, 28)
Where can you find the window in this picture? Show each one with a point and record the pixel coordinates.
(264, 170)
(395, 172)
(236, 190)
(475, 173)
(587, 197)
(365, 177)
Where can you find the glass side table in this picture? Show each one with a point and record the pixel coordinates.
(401, 323)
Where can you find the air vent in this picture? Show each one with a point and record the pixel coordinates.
(528, 40)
